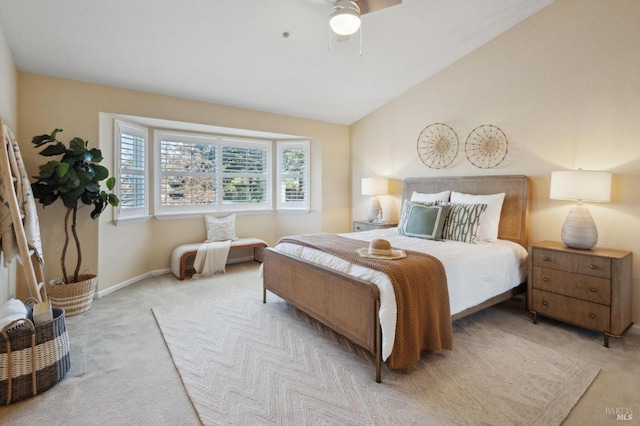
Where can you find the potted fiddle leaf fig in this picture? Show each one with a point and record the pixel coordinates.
(74, 178)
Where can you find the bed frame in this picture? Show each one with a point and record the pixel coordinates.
(349, 305)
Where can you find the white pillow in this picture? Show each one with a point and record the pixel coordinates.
(222, 229)
(490, 220)
(421, 197)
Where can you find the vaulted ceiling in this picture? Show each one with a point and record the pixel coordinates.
(236, 52)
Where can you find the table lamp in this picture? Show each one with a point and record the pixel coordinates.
(579, 230)
(375, 186)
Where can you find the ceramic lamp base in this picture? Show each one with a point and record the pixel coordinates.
(579, 230)
(374, 211)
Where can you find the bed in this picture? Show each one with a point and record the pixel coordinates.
(352, 305)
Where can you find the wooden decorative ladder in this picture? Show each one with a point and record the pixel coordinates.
(30, 263)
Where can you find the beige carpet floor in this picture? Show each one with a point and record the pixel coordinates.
(122, 373)
(245, 362)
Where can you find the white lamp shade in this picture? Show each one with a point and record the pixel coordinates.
(375, 186)
(345, 18)
(581, 185)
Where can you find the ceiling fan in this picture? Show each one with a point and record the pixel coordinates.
(345, 15)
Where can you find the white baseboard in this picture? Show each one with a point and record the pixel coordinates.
(155, 273)
(130, 281)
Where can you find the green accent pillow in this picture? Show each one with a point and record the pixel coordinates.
(423, 221)
(463, 222)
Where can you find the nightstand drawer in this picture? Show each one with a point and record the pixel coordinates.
(578, 312)
(363, 225)
(571, 262)
(583, 287)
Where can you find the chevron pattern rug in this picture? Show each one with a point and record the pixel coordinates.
(243, 362)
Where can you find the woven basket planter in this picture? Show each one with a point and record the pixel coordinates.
(33, 358)
(74, 298)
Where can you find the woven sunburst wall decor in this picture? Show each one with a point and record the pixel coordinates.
(437, 145)
(486, 146)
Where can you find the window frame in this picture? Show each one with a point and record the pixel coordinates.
(135, 213)
(293, 206)
(219, 205)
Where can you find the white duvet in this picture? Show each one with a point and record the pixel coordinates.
(475, 272)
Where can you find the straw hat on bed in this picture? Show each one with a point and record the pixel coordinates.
(381, 249)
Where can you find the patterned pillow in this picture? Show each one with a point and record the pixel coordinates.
(221, 229)
(463, 222)
(423, 221)
(490, 222)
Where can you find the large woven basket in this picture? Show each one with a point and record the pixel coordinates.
(74, 298)
(33, 358)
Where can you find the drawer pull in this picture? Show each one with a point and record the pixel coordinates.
(592, 316)
(593, 267)
(545, 279)
(545, 303)
(593, 290)
(546, 259)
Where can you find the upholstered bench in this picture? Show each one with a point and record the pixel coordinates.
(182, 253)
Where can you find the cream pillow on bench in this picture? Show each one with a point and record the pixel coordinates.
(220, 229)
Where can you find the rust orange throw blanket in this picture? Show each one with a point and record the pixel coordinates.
(420, 285)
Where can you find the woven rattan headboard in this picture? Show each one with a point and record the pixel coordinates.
(515, 209)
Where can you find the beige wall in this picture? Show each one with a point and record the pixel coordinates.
(8, 114)
(125, 252)
(564, 86)
(8, 85)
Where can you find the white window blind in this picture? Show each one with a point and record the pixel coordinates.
(293, 175)
(207, 173)
(131, 170)
(245, 178)
(187, 168)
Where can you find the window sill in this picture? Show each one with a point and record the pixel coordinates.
(128, 220)
(294, 211)
(177, 216)
(174, 216)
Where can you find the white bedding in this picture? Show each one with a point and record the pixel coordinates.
(475, 272)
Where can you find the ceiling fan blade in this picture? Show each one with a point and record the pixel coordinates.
(367, 6)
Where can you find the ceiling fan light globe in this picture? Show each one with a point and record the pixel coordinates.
(345, 20)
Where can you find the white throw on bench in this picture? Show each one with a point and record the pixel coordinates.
(183, 252)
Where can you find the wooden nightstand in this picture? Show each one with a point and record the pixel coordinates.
(587, 288)
(365, 225)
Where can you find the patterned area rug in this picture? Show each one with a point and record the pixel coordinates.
(244, 362)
